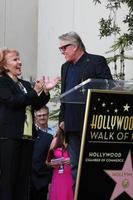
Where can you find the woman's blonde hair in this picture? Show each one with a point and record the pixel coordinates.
(3, 54)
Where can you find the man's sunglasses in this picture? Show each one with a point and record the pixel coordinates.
(63, 48)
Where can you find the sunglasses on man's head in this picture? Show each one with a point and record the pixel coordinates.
(63, 48)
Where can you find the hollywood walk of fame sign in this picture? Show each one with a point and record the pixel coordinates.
(106, 158)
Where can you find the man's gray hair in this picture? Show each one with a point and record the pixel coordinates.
(73, 38)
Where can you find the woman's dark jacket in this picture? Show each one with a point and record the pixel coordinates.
(13, 103)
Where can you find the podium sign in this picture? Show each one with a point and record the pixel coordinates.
(105, 169)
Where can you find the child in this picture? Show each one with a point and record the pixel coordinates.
(61, 184)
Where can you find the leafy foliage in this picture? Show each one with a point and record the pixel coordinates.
(108, 27)
(56, 108)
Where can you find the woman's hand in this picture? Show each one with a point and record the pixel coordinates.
(50, 83)
(38, 87)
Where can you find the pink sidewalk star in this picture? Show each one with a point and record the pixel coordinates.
(123, 178)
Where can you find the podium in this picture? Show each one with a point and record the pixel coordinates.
(105, 169)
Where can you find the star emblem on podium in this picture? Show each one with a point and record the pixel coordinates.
(126, 107)
(123, 178)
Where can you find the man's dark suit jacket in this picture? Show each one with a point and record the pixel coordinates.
(91, 67)
(12, 106)
(41, 174)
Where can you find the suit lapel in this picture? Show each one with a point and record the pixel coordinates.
(12, 84)
(84, 65)
(64, 74)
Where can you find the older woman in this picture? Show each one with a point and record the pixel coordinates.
(17, 103)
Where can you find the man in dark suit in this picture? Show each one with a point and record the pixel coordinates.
(41, 173)
(78, 67)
